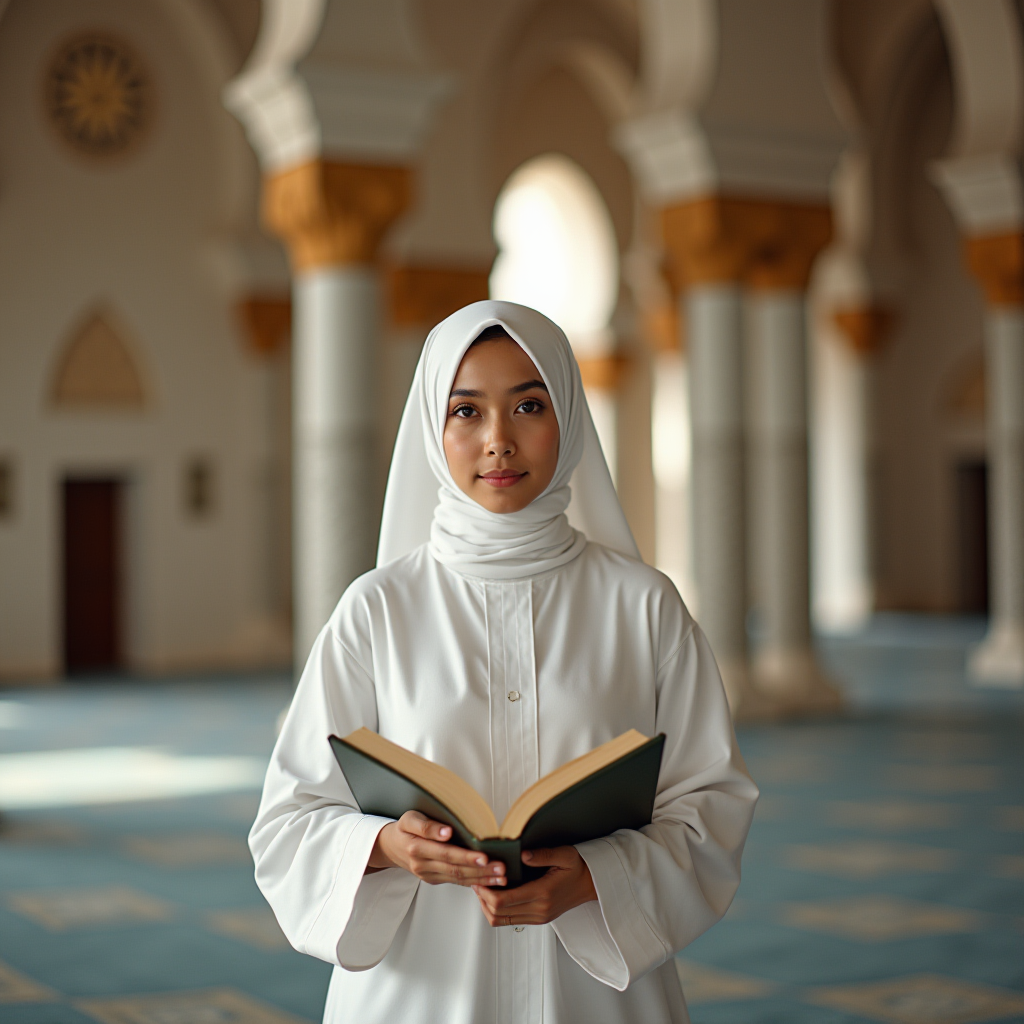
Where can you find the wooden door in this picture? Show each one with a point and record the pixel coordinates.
(92, 571)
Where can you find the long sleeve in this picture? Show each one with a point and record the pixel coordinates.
(310, 842)
(661, 887)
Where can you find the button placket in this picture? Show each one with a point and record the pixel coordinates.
(514, 766)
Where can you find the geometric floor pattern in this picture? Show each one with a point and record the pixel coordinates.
(883, 877)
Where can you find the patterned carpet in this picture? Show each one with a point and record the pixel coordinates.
(883, 878)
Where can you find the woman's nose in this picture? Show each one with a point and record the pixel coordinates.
(499, 443)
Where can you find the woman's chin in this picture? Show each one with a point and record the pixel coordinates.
(501, 501)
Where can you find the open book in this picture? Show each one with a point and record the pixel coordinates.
(610, 788)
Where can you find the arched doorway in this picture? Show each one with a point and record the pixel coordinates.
(558, 253)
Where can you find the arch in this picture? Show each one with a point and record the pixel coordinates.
(97, 370)
(557, 248)
(207, 42)
(984, 40)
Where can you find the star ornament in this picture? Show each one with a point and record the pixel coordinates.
(98, 95)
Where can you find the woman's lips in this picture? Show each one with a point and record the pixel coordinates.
(502, 477)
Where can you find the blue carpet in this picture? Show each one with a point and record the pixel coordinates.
(883, 877)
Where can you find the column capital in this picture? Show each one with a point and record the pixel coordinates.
(769, 244)
(706, 240)
(663, 328)
(603, 373)
(864, 328)
(997, 263)
(423, 295)
(334, 214)
(788, 240)
(266, 322)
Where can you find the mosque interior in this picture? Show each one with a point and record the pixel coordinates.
(785, 239)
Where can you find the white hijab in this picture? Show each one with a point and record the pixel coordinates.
(463, 534)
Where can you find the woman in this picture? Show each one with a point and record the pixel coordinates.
(499, 641)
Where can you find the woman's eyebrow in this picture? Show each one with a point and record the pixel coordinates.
(528, 386)
(466, 393)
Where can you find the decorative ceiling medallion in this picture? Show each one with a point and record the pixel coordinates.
(98, 95)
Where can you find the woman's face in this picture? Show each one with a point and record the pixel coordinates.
(500, 435)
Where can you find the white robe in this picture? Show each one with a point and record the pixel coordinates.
(428, 657)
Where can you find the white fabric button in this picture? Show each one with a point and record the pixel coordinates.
(518, 928)
(513, 695)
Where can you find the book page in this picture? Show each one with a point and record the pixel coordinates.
(534, 798)
(444, 785)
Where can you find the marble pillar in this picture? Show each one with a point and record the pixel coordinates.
(998, 264)
(713, 331)
(334, 469)
(332, 217)
(785, 666)
(843, 461)
(266, 325)
(708, 244)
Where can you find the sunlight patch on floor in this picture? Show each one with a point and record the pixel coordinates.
(100, 775)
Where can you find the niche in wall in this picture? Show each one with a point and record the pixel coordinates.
(199, 488)
(97, 369)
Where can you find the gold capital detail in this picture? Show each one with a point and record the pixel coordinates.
(266, 321)
(604, 373)
(333, 214)
(864, 328)
(997, 263)
(420, 295)
(766, 244)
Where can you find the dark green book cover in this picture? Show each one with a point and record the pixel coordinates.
(620, 795)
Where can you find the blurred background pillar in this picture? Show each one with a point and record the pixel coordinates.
(982, 183)
(708, 248)
(789, 238)
(998, 265)
(336, 132)
(332, 217)
(845, 464)
(266, 322)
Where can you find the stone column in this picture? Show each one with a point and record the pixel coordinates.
(789, 238)
(332, 217)
(708, 248)
(266, 321)
(602, 377)
(844, 587)
(997, 262)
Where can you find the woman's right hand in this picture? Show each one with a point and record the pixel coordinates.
(420, 846)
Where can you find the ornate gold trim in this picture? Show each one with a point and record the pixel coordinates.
(334, 214)
(769, 245)
(865, 328)
(420, 295)
(266, 322)
(997, 264)
(604, 373)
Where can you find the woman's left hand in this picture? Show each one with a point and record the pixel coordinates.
(566, 884)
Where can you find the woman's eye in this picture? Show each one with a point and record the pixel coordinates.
(463, 411)
(530, 405)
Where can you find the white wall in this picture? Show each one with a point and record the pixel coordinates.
(133, 235)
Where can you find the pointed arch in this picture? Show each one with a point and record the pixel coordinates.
(97, 370)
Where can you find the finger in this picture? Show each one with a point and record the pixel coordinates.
(440, 858)
(493, 899)
(468, 876)
(430, 861)
(558, 856)
(420, 825)
(503, 902)
(456, 855)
